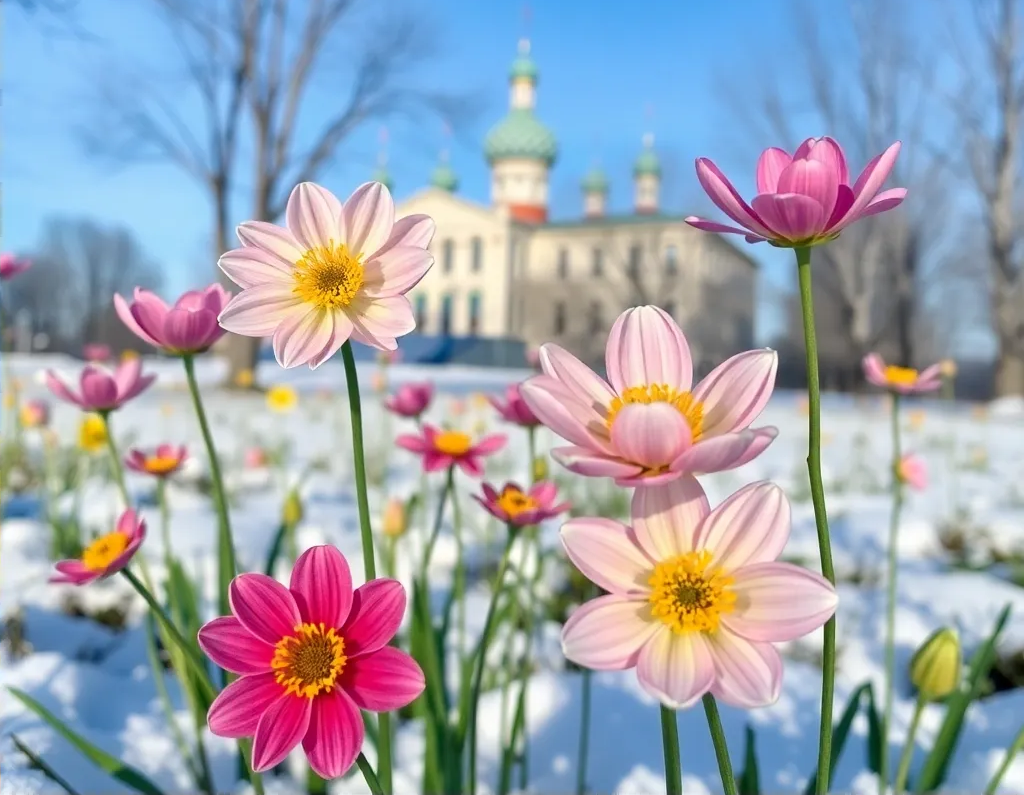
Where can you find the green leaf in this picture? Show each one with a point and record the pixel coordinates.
(38, 763)
(840, 733)
(750, 780)
(126, 774)
(876, 745)
(275, 549)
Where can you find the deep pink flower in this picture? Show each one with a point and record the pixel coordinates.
(11, 266)
(904, 380)
(522, 508)
(190, 326)
(695, 597)
(647, 426)
(309, 657)
(162, 462)
(96, 352)
(802, 199)
(106, 555)
(101, 390)
(411, 399)
(442, 449)
(913, 472)
(514, 409)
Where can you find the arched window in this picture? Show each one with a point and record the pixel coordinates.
(446, 315)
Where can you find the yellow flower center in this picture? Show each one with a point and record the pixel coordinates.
(452, 443)
(688, 595)
(310, 661)
(683, 402)
(900, 376)
(160, 464)
(329, 276)
(513, 502)
(104, 551)
(92, 433)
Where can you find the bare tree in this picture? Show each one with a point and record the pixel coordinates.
(252, 65)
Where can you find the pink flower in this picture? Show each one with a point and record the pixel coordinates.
(410, 400)
(11, 266)
(442, 449)
(163, 462)
(913, 472)
(802, 199)
(35, 414)
(904, 380)
(647, 426)
(514, 409)
(309, 657)
(695, 597)
(190, 326)
(106, 555)
(334, 272)
(519, 508)
(101, 390)
(96, 352)
(255, 458)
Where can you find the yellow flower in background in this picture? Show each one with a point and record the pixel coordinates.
(244, 379)
(292, 511)
(92, 433)
(540, 468)
(282, 398)
(935, 668)
(129, 355)
(947, 367)
(394, 521)
(916, 419)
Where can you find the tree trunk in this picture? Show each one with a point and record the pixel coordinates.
(1009, 373)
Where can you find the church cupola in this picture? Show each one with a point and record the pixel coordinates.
(381, 174)
(444, 176)
(647, 178)
(595, 193)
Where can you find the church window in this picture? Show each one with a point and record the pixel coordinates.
(635, 255)
(446, 315)
(474, 314)
(563, 263)
(671, 260)
(477, 249)
(597, 262)
(421, 312)
(559, 325)
(595, 317)
(447, 255)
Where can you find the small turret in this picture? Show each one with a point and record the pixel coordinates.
(647, 178)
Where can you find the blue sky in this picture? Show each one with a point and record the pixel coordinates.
(602, 66)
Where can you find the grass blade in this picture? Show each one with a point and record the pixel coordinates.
(749, 782)
(275, 549)
(840, 732)
(40, 764)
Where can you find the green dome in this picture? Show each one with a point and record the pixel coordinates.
(520, 134)
(382, 176)
(595, 182)
(445, 178)
(523, 66)
(647, 164)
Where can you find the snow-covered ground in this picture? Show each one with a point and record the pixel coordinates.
(99, 681)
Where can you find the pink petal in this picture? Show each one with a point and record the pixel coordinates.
(607, 633)
(747, 674)
(652, 435)
(645, 346)
(770, 165)
(469, 464)
(376, 614)
(563, 412)
(321, 584)
(412, 230)
(61, 390)
(544, 492)
(727, 451)
(871, 180)
(335, 734)
(386, 680)
(273, 239)
(189, 331)
(125, 313)
(150, 317)
(98, 389)
(725, 197)
(314, 216)
(490, 444)
(237, 709)
(588, 388)
(677, 669)
(281, 728)
(827, 151)
(886, 200)
(844, 201)
(607, 553)
(258, 311)
(792, 216)
(340, 334)
(389, 344)
(735, 392)
(302, 335)
(73, 572)
(714, 226)
(250, 266)
(412, 443)
(874, 370)
(434, 461)
(584, 461)
(382, 318)
(395, 271)
(665, 518)
(369, 218)
(813, 179)
(751, 526)
(231, 646)
(264, 606)
(779, 601)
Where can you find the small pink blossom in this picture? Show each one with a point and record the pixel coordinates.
(309, 657)
(255, 458)
(902, 380)
(106, 555)
(162, 462)
(11, 266)
(410, 399)
(101, 390)
(189, 326)
(96, 352)
(522, 508)
(441, 449)
(514, 409)
(913, 471)
(802, 199)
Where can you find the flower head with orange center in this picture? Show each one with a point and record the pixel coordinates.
(161, 462)
(106, 555)
(901, 380)
(309, 657)
(445, 448)
(521, 508)
(648, 423)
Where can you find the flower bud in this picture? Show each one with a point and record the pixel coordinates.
(394, 523)
(935, 666)
(291, 513)
(540, 468)
(947, 367)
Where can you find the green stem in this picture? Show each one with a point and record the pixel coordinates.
(165, 521)
(721, 747)
(245, 753)
(520, 729)
(1011, 754)
(115, 460)
(449, 485)
(828, 655)
(890, 611)
(531, 445)
(908, 749)
(460, 573)
(584, 741)
(369, 776)
(670, 743)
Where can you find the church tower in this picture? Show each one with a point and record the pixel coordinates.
(595, 193)
(647, 179)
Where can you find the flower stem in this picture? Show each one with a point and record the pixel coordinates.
(908, 749)
(670, 742)
(828, 655)
(1011, 754)
(531, 445)
(584, 742)
(890, 610)
(115, 460)
(449, 485)
(165, 522)
(721, 747)
(460, 573)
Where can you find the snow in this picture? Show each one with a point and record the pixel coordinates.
(98, 680)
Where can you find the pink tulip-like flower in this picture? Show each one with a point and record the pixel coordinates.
(442, 449)
(696, 597)
(334, 272)
(96, 352)
(101, 390)
(802, 199)
(410, 400)
(913, 472)
(522, 508)
(190, 326)
(162, 462)
(514, 409)
(902, 380)
(105, 555)
(309, 657)
(647, 426)
(11, 266)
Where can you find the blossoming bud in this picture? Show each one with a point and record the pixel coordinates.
(540, 468)
(947, 367)
(935, 666)
(292, 512)
(394, 523)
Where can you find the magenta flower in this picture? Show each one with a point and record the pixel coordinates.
(101, 390)
(309, 657)
(902, 380)
(106, 555)
(695, 597)
(11, 266)
(190, 326)
(442, 449)
(335, 271)
(514, 409)
(162, 462)
(410, 400)
(647, 426)
(522, 508)
(96, 352)
(913, 472)
(802, 199)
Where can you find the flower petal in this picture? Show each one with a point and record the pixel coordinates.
(99, 390)
(413, 230)
(563, 411)
(61, 390)
(280, 729)
(735, 392)
(607, 553)
(314, 216)
(607, 633)
(827, 151)
(321, 584)
(713, 226)
(726, 198)
(652, 435)
(376, 614)
(340, 334)
(275, 240)
(264, 606)
(385, 680)
(813, 179)
(751, 526)
(779, 601)
(728, 451)
(301, 336)
(190, 331)
(665, 518)
(249, 266)
(395, 271)
(369, 218)
(747, 674)
(123, 310)
(793, 217)
(770, 165)
(382, 318)
(677, 669)
(871, 180)
(258, 311)
(584, 461)
(234, 648)
(584, 384)
(237, 709)
(884, 201)
(645, 346)
(335, 734)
